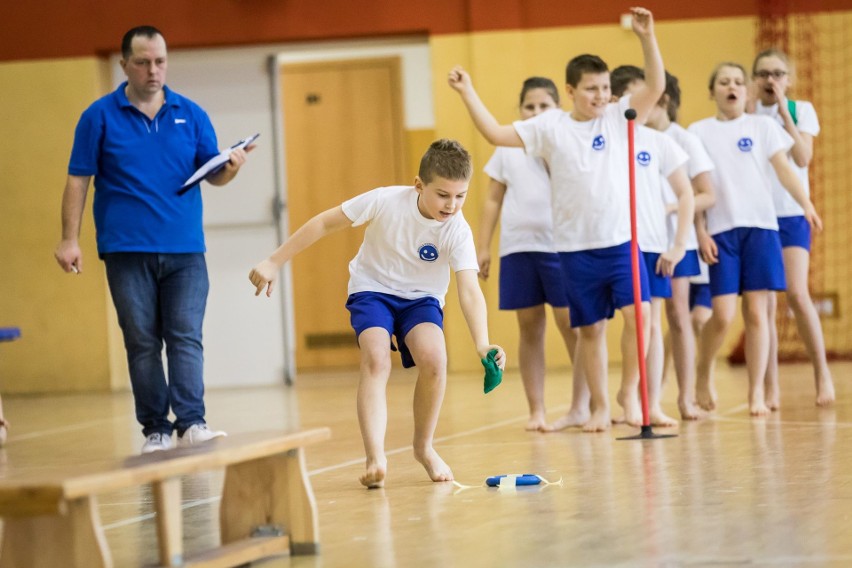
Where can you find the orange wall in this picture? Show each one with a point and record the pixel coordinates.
(39, 30)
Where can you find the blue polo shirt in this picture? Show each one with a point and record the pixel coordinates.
(138, 165)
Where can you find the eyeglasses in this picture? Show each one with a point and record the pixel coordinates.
(777, 74)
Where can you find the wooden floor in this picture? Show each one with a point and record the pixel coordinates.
(728, 491)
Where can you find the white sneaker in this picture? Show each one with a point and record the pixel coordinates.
(157, 442)
(198, 434)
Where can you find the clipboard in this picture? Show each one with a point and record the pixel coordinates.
(214, 164)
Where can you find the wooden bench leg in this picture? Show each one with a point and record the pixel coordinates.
(167, 501)
(74, 539)
(271, 493)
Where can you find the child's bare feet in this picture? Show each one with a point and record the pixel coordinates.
(632, 408)
(4, 432)
(374, 477)
(574, 417)
(689, 410)
(825, 389)
(437, 469)
(705, 397)
(758, 408)
(537, 422)
(658, 418)
(773, 395)
(598, 421)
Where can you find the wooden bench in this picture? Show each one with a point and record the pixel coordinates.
(267, 508)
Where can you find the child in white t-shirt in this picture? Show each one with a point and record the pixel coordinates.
(530, 272)
(772, 76)
(397, 284)
(659, 166)
(585, 151)
(741, 241)
(681, 337)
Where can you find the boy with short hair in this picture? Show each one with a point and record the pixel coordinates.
(397, 285)
(586, 151)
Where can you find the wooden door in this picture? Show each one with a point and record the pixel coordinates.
(343, 135)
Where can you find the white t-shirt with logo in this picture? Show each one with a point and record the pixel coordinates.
(657, 157)
(741, 150)
(588, 175)
(404, 253)
(699, 162)
(526, 221)
(807, 122)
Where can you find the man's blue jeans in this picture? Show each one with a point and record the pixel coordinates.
(161, 298)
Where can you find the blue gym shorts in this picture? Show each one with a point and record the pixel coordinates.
(699, 295)
(795, 232)
(688, 266)
(394, 314)
(600, 281)
(749, 260)
(661, 286)
(530, 279)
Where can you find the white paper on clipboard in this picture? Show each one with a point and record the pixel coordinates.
(215, 164)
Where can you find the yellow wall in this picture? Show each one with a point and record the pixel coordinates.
(63, 318)
(499, 62)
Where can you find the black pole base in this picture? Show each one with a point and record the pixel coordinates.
(647, 434)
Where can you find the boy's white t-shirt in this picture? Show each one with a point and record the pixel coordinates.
(699, 162)
(657, 157)
(526, 222)
(404, 253)
(588, 175)
(741, 150)
(807, 122)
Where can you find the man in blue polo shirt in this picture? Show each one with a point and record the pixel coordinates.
(141, 142)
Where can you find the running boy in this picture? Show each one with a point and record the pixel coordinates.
(586, 150)
(397, 285)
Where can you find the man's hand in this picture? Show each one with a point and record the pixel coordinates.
(69, 256)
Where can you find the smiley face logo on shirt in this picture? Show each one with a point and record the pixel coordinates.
(644, 158)
(428, 252)
(745, 144)
(599, 143)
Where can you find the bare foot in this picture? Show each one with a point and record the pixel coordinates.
(574, 417)
(772, 396)
(437, 469)
(537, 422)
(374, 477)
(632, 408)
(4, 432)
(758, 408)
(825, 390)
(706, 398)
(598, 422)
(689, 410)
(658, 418)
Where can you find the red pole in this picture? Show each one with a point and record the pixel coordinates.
(634, 261)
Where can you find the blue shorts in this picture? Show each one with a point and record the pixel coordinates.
(795, 232)
(749, 260)
(600, 281)
(661, 286)
(699, 295)
(688, 266)
(394, 314)
(530, 279)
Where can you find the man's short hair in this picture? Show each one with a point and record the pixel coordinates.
(127, 40)
(585, 63)
(447, 159)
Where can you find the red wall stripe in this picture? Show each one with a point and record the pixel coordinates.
(63, 28)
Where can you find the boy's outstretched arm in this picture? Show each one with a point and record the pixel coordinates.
(644, 99)
(791, 183)
(473, 307)
(266, 272)
(496, 133)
